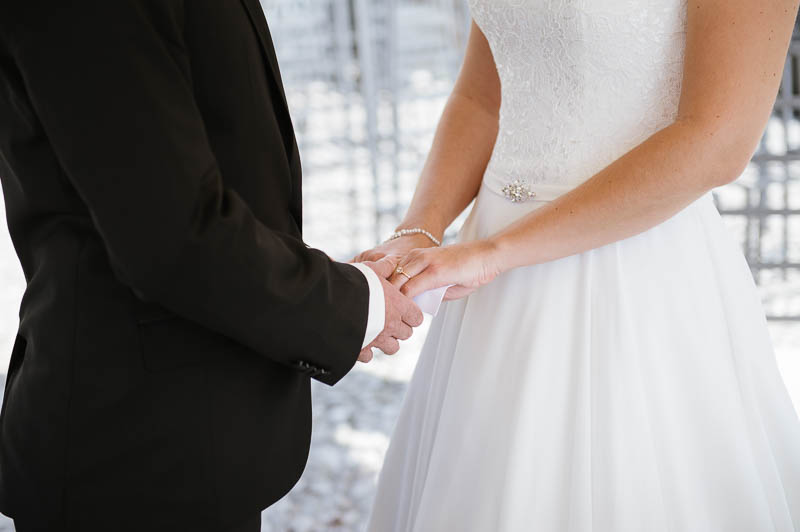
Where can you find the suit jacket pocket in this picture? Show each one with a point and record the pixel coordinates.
(17, 357)
(172, 343)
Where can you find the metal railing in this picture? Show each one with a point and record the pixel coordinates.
(366, 81)
(763, 205)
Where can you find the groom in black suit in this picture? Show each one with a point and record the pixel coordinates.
(173, 314)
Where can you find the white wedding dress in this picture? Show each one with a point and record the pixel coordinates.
(630, 388)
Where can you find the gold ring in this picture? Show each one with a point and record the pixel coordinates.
(399, 271)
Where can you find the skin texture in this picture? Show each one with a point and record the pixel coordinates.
(461, 149)
(735, 52)
(402, 314)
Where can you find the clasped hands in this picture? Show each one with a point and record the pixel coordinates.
(411, 265)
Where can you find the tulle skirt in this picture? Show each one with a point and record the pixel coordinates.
(632, 387)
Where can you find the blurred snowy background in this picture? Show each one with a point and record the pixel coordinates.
(366, 82)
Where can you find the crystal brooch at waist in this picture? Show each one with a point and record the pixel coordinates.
(517, 191)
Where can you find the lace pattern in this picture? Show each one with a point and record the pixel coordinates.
(583, 82)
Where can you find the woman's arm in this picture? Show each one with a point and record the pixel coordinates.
(461, 149)
(735, 51)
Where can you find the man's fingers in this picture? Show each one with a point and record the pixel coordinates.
(393, 346)
(403, 331)
(387, 344)
(365, 355)
(412, 315)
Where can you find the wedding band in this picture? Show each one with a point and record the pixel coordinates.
(400, 271)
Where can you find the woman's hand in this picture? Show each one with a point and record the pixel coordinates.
(398, 247)
(466, 266)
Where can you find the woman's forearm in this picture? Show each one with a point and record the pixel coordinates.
(643, 188)
(735, 53)
(454, 168)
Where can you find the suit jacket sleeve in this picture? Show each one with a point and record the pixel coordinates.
(110, 81)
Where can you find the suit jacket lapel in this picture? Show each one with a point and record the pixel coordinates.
(259, 22)
(256, 14)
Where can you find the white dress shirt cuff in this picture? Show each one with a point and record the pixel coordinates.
(377, 304)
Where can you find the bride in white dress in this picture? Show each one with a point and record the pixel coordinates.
(604, 363)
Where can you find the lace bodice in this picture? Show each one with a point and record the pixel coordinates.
(583, 82)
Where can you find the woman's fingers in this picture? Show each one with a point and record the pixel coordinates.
(417, 267)
(457, 292)
(428, 279)
(423, 270)
(407, 267)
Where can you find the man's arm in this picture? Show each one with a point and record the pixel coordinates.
(377, 305)
(110, 82)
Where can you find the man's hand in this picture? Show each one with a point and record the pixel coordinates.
(402, 314)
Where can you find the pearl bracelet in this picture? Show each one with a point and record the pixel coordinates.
(414, 231)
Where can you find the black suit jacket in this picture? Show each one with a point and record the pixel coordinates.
(173, 314)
